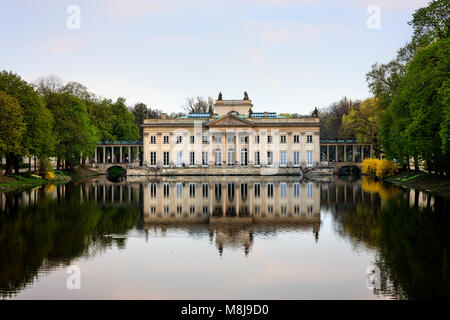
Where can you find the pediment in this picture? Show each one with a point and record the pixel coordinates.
(230, 120)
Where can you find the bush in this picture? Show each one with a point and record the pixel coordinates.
(386, 168)
(369, 166)
(50, 175)
(380, 168)
(44, 166)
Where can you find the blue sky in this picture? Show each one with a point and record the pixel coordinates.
(289, 55)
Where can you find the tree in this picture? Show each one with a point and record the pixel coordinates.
(199, 105)
(48, 84)
(12, 127)
(75, 135)
(141, 112)
(78, 90)
(331, 118)
(37, 139)
(363, 121)
(123, 122)
(431, 23)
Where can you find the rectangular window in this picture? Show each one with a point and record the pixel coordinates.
(192, 209)
(153, 139)
(179, 209)
(192, 139)
(283, 210)
(166, 158)
(283, 188)
(270, 209)
(282, 139)
(179, 158)
(256, 209)
(296, 138)
(153, 158)
(166, 210)
(257, 190)
(256, 139)
(218, 190)
(257, 158)
(166, 190)
(205, 158)
(269, 139)
(192, 190)
(217, 138)
(297, 209)
(179, 139)
(179, 189)
(309, 138)
(205, 210)
(309, 189)
(296, 158)
(296, 190)
(283, 158)
(270, 190)
(192, 158)
(269, 158)
(244, 139)
(205, 190)
(153, 190)
(166, 139)
(309, 158)
(230, 138)
(205, 139)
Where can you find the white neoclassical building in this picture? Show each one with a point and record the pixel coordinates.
(233, 140)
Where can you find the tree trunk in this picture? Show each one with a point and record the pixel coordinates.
(35, 164)
(16, 164)
(9, 164)
(416, 164)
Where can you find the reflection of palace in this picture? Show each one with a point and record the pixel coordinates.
(234, 208)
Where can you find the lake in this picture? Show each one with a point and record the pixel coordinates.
(270, 237)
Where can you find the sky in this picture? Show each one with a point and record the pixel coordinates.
(289, 55)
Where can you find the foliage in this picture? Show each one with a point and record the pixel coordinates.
(331, 119)
(369, 166)
(75, 135)
(37, 139)
(379, 168)
(141, 112)
(123, 125)
(50, 175)
(44, 166)
(386, 168)
(12, 125)
(363, 121)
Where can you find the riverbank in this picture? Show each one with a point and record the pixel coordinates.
(27, 180)
(422, 181)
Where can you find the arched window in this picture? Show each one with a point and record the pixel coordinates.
(244, 157)
(217, 157)
(231, 157)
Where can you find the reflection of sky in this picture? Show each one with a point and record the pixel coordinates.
(175, 265)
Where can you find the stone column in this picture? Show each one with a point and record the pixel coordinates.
(345, 153)
(362, 152)
(328, 153)
(112, 154)
(121, 159)
(290, 154)
(104, 154)
(95, 156)
(353, 153)
(129, 154)
(336, 153)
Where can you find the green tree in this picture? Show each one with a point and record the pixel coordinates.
(75, 135)
(12, 126)
(37, 139)
(123, 123)
(141, 112)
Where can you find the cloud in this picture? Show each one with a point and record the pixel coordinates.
(285, 35)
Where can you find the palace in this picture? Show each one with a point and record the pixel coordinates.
(231, 140)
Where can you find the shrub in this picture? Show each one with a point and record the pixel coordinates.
(44, 166)
(386, 168)
(369, 166)
(50, 175)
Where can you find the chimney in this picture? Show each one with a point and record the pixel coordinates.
(163, 115)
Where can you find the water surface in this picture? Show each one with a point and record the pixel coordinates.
(224, 238)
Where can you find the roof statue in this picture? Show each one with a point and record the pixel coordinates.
(250, 113)
(246, 95)
(220, 96)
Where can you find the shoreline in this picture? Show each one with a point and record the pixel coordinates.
(422, 181)
(25, 181)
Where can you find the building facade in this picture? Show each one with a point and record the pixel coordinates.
(233, 138)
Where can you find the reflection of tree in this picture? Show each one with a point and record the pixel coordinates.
(52, 232)
(413, 244)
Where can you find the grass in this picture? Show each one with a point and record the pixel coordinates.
(422, 181)
(12, 182)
